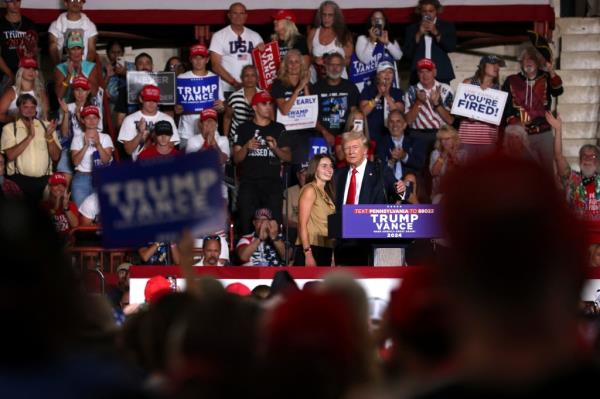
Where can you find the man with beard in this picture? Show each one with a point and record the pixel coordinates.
(337, 97)
(583, 188)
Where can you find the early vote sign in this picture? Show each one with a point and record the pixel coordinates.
(390, 221)
(164, 80)
(154, 200)
(302, 115)
(482, 105)
(196, 94)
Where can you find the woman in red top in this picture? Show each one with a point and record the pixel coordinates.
(59, 205)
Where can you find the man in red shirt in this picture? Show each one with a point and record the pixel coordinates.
(161, 145)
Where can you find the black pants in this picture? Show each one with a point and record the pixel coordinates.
(32, 187)
(322, 255)
(256, 194)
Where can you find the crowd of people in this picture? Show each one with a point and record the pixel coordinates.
(377, 140)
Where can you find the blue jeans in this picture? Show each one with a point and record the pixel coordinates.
(81, 187)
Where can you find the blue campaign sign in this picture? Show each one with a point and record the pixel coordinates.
(363, 73)
(317, 145)
(196, 94)
(391, 221)
(154, 200)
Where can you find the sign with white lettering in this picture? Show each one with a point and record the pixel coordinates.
(267, 63)
(390, 221)
(482, 105)
(154, 200)
(317, 146)
(302, 115)
(164, 80)
(196, 94)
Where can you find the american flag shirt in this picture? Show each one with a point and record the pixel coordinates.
(428, 118)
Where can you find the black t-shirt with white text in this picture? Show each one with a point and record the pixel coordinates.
(11, 38)
(335, 103)
(261, 163)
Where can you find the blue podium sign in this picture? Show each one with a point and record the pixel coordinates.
(390, 221)
(155, 200)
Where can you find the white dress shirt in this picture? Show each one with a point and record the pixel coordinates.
(359, 178)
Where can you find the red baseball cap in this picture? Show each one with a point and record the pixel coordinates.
(28, 62)
(57, 178)
(238, 289)
(208, 113)
(425, 63)
(198, 49)
(285, 14)
(81, 82)
(156, 288)
(150, 93)
(261, 97)
(90, 110)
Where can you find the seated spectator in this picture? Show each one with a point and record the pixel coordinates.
(446, 156)
(239, 104)
(337, 98)
(15, 30)
(115, 293)
(74, 66)
(430, 38)
(188, 123)
(59, 205)
(161, 145)
(211, 251)
(223, 257)
(378, 100)
(261, 147)
(89, 211)
(329, 35)
(28, 81)
(143, 63)
(400, 152)
(72, 21)
(264, 246)
(31, 146)
(71, 124)
(583, 187)
(137, 127)
(159, 253)
(91, 150)
(231, 48)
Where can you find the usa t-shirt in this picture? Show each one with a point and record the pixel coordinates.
(235, 51)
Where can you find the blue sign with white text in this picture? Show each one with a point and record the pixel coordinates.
(318, 145)
(196, 94)
(154, 200)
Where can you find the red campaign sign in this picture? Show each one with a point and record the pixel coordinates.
(267, 63)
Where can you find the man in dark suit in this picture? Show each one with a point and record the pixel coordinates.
(401, 153)
(361, 182)
(430, 38)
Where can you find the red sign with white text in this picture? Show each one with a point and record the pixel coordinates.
(267, 63)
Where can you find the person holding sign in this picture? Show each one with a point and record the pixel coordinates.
(261, 147)
(188, 123)
(231, 48)
(88, 151)
(136, 128)
(317, 202)
(293, 82)
(530, 95)
(479, 138)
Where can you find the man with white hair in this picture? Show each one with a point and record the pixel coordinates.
(583, 187)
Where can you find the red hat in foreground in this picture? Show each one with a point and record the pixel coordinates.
(57, 178)
(90, 110)
(156, 288)
(150, 93)
(208, 113)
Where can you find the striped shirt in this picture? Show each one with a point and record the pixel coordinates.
(242, 111)
(428, 118)
(476, 132)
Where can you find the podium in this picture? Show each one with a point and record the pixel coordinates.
(382, 227)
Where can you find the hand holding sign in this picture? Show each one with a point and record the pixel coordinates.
(482, 105)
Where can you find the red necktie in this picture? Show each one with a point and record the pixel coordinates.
(352, 188)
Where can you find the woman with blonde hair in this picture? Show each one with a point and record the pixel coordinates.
(27, 81)
(317, 201)
(287, 36)
(446, 156)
